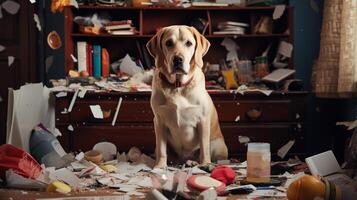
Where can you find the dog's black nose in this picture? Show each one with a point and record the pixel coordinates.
(178, 62)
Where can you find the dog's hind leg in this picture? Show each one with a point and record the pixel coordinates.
(219, 149)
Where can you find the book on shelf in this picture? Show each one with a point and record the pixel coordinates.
(208, 4)
(118, 27)
(233, 23)
(105, 62)
(231, 27)
(82, 56)
(97, 61)
(228, 32)
(123, 32)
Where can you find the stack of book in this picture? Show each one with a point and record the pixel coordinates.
(93, 58)
(121, 27)
(231, 27)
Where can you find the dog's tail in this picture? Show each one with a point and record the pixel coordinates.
(144, 77)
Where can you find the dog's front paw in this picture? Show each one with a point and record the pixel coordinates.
(161, 165)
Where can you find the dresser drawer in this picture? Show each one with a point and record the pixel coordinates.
(276, 135)
(130, 111)
(124, 137)
(254, 111)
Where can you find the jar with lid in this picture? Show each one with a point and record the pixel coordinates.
(261, 67)
(258, 162)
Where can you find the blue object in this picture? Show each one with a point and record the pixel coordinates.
(97, 61)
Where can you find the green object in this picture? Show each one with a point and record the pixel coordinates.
(265, 2)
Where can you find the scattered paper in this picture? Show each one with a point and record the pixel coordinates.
(117, 111)
(14, 180)
(10, 60)
(82, 93)
(73, 101)
(33, 1)
(64, 111)
(11, 7)
(129, 66)
(96, 111)
(278, 11)
(293, 178)
(70, 128)
(79, 156)
(73, 3)
(285, 49)
(69, 177)
(61, 94)
(285, 149)
(74, 58)
(2, 48)
(243, 139)
(49, 62)
(237, 118)
(278, 75)
(209, 194)
(297, 116)
(37, 20)
(350, 125)
(314, 6)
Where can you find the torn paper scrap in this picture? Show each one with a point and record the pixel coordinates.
(2, 48)
(37, 20)
(70, 128)
(82, 93)
(285, 49)
(57, 132)
(11, 7)
(285, 149)
(278, 11)
(14, 180)
(96, 111)
(69, 177)
(237, 118)
(10, 60)
(61, 94)
(79, 156)
(231, 47)
(129, 66)
(243, 139)
(33, 1)
(49, 62)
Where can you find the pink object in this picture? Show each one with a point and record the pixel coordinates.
(224, 173)
(201, 183)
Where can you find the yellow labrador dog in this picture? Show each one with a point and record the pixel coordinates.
(185, 116)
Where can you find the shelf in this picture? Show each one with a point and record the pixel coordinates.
(100, 7)
(82, 35)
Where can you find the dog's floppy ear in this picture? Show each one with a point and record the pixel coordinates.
(202, 46)
(155, 49)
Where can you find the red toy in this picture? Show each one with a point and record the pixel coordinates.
(224, 173)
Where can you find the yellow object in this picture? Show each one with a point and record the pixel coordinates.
(108, 168)
(58, 5)
(138, 3)
(94, 156)
(229, 78)
(310, 187)
(58, 186)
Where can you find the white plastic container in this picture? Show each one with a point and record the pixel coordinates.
(258, 162)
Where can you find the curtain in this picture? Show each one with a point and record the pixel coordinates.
(335, 72)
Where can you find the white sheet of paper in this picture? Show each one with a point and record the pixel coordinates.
(79, 156)
(128, 66)
(237, 118)
(96, 111)
(119, 176)
(14, 180)
(58, 148)
(11, 7)
(69, 177)
(49, 62)
(73, 101)
(10, 60)
(57, 132)
(285, 149)
(278, 11)
(37, 21)
(278, 75)
(61, 94)
(33, 1)
(117, 111)
(285, 49)
(2, 48)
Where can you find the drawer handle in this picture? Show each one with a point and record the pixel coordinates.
(254, 114)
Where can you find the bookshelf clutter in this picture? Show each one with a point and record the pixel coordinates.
(103, 35)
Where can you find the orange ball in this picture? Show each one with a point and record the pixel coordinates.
(306, 188)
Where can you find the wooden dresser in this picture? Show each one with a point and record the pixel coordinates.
(276, 119)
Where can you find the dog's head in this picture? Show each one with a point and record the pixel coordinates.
(178, 50)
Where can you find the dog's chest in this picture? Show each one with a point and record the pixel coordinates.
(180, 112)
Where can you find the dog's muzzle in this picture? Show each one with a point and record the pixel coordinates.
(178, 65)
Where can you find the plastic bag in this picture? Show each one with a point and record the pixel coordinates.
(19, 161)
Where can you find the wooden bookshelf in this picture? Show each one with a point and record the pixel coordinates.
(148, 19)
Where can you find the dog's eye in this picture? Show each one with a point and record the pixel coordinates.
(188, 43)
(169, 43)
